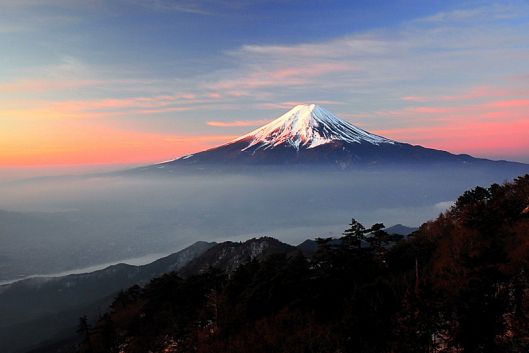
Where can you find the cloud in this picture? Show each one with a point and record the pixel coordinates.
(415, 99)
(143, 105)
(186, 6)
(197, 7)
(290, 104)
(444, 205)
(473, 93)
(444, 81)
(30, 16)
(376, 67)
(44, 85)
(85, 141)
(492, 11)
(494, 139)
(237, 123)
(282, 77)
(484, 120)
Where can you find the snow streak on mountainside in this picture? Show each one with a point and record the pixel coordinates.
(307, 126)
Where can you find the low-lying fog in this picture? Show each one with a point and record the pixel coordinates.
(59, 224)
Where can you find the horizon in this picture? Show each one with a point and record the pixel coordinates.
(100, 85)
(14, 173)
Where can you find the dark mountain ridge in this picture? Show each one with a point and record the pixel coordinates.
(25, 305)
(228, 256)
(62, 300)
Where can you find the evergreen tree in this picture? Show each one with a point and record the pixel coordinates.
(354, 235)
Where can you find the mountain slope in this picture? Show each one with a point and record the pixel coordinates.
(306, 127)
(62, 300)
(227, 256)
(460, 283)
(400, 229)
(311, 135)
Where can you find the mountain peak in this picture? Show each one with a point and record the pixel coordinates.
(306, 107)
(308, 134)
(307, 126)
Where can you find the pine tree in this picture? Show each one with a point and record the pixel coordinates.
(379, 240)
(354, 235)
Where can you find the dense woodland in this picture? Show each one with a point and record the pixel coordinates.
(459, 284)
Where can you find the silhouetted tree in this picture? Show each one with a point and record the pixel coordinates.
(354, 235)
(459, 284)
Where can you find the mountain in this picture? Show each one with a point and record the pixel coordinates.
(63, 300)
(460, 284)
(228, 256)
(400, 229)
(27, 307)
(310, 134)
(306, 127)
(310, 246)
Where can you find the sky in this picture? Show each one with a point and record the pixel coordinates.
(97, 83)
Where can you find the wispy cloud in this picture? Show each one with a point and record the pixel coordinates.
(53, 136)
(473, 93)
(186, 6)
(44, 85)
(282, 77)
(419, 83)
(20, 16)
(388, 63)
(290, 104)
(493, 127)
(198, 7)
(427, 81)
(492, 11)
(237, 123)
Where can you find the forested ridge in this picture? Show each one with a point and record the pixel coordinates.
(458, 284)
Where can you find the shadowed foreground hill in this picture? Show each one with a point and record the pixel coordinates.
(459, 284)
(44, 309)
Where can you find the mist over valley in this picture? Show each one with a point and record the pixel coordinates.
(59, 224)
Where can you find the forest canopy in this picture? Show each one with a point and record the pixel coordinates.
(458, 284)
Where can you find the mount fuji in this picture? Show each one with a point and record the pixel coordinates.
(311, 135)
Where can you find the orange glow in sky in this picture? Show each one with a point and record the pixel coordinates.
(51, 137)
(83, 82)
(68, 133)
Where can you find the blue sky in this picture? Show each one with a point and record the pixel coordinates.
(160, 37)
(191, 74)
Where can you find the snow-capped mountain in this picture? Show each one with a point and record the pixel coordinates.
(304, 127)
(309, 134)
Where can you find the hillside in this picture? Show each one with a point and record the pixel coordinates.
(58, 302)
(459, 284)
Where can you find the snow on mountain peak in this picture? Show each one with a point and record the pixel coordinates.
(307, 126)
